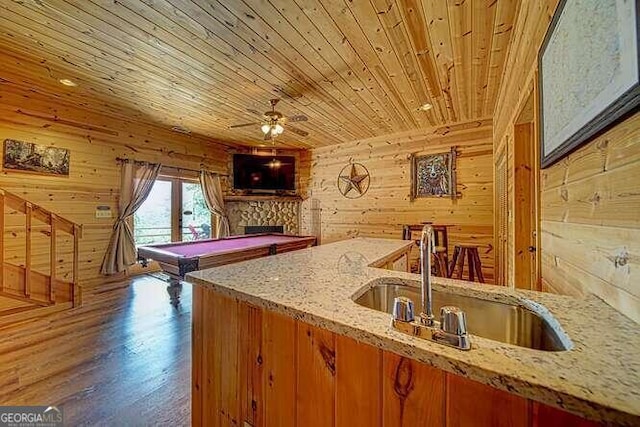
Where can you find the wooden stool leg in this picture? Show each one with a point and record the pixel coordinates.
(441, 265)
(452, 266)
(478, 266)
(472, 263)
(461, 262)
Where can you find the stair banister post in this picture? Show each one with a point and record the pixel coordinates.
(2, 240)
(52, 250)
(76, 237)
(28, 209)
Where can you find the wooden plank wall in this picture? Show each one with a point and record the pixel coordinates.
(589, 201)
(383, 210)
(591, 220)
(253, 367)
(95, 140)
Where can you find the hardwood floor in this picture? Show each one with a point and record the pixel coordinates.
(123, 358)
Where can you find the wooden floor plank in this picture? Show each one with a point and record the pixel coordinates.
(123, 358)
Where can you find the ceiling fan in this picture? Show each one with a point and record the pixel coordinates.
(273, 123)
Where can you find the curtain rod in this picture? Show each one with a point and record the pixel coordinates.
(139, 162)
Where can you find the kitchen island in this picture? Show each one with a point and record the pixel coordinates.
(280, 341)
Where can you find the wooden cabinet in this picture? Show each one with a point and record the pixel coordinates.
(254, 368)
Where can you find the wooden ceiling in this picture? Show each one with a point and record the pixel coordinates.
(355, 68)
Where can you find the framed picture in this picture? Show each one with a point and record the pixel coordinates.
(434, 175)
(588, 73)
(29, 157)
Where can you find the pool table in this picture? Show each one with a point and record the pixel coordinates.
(179, 258)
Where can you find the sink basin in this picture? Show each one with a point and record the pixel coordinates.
(507, 323)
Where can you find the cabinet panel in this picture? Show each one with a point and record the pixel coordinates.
(279, 354)
(412, 393)
(315, 376)
(470, 403)
(358, 384)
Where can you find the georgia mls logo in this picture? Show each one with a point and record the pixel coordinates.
(52, 415)
(30, 416)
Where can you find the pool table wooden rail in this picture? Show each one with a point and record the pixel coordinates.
(178, 265)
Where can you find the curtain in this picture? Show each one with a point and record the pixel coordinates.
(136, 183)
(212, 191)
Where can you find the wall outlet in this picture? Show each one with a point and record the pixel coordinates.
(100, 213)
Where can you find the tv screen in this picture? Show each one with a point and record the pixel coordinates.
(252, 172)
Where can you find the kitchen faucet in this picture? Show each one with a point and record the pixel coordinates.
(427, 247)
(452, 328)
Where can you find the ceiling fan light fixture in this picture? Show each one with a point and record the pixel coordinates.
(425, 107)
(265, 128)
(278, 128)
(68, 82)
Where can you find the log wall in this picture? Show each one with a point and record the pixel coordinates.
(386, 206)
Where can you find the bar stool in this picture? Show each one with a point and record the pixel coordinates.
(473, 258)
(440, 241)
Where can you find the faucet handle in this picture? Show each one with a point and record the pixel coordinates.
(453, 320)
(403, 310)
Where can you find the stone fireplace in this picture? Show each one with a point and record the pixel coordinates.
(263, 211)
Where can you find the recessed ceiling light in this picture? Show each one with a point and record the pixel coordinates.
(68, 82)
(425, 107)
(181, 129)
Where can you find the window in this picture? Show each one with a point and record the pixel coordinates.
(174, 211)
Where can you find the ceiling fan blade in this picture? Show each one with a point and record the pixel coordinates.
(298, 118)
(298, 131)
(244, 125)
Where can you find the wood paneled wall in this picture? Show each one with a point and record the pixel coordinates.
(591, 220)
(383, 210)
(95, 141)
(590, 226)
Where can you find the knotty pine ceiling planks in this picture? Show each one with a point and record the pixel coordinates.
(356, 68)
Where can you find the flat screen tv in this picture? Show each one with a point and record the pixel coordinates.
(276, 173)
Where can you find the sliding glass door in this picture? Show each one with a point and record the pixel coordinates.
(174, 211)
(152, 221)
(195, 219)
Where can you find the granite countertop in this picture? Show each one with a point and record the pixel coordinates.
(599, 377)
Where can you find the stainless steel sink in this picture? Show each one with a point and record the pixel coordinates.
(507, 323)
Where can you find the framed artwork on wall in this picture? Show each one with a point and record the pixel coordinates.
(35, 158)
(588, 73)
(434, 175)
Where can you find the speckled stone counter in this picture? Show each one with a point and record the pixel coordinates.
(599, 377)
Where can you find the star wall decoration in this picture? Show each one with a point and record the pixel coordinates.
(353, 181)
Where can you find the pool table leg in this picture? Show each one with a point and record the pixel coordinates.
(174, 289)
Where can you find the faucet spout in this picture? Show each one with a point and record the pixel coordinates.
(427, 247)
